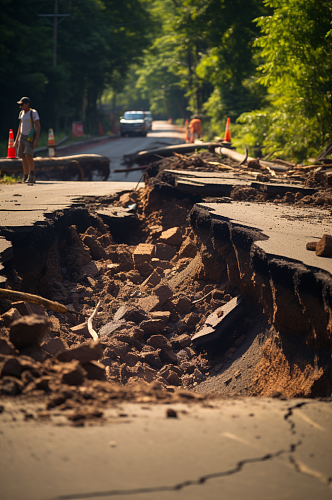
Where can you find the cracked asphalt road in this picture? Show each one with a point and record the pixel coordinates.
(224, 449)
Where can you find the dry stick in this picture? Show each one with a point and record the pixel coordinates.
(92, 332)
(34, 299)
(202, 298)
(139, 180)
(245, 157)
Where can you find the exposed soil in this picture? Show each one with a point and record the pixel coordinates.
(157, 279)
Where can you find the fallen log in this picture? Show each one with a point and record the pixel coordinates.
(234, 155)
(34, 299)
(81, 167)
(142, 157)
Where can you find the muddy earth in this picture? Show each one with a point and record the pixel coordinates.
(157, 271)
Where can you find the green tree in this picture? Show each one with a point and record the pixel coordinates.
(296, 44)
(97, 43)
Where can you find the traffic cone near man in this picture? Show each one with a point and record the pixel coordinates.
(11, 149)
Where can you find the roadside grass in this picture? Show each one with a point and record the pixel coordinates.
(9, 179)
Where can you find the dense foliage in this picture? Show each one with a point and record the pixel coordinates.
(265, 63)
(97, 43)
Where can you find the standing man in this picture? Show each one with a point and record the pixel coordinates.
(29, 119)
(195, 129)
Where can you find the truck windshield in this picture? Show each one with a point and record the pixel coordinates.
(133, 116)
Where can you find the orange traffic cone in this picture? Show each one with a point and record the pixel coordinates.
(11, 150)
(51, 140)
(227, 137)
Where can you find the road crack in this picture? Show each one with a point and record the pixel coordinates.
(194, 482)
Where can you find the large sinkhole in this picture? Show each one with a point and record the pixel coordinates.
(164, 276)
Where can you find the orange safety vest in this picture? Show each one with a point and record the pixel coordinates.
(195, 126)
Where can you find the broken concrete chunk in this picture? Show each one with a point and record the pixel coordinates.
(324, 246)
(143, 253)
(163, 293)
(84, 353)
(28, 331)
(172, 236)
(165, 252)
(159, 341)
(182, 305)
(150, 303)
(9, 316)
(137, 333)
(152, 326)
(311, 245)
(218, 321)
(181, 341)
(53, 346)
(152, 358)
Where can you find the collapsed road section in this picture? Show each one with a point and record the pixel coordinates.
(168, 267)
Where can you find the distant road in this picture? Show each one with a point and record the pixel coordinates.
(162, 134)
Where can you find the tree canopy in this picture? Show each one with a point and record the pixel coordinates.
(264, 63)
(96, 44)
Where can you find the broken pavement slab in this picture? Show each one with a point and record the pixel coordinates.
(218, 321)
(285, 230)
(221, 184)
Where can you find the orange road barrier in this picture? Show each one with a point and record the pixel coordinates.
(101, 130)
(11, 150)
(227, 137)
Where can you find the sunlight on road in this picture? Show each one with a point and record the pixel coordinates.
(162, 134)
